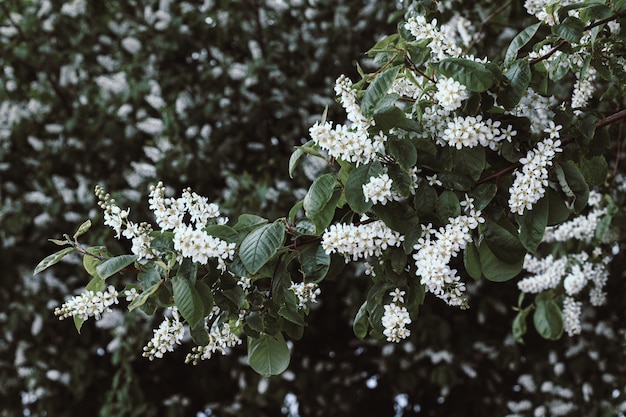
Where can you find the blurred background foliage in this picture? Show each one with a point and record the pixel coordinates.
(214, 95)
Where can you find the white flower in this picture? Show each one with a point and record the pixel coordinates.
(166, 337)
(450, 93)
(572, 311)
(306, 292)
(88, 304)
(395, 319)
(360, 241)
(221, 339)
(378, 190)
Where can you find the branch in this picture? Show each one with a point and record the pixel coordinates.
(611, 119)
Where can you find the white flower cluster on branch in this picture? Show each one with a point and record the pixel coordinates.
(442, 39)
(529, 185)
(88, 304)
(436, 248)
(582, 227)
(396, 318)
(306, 292)
(360, 241)
(169, 334)
(221, 339)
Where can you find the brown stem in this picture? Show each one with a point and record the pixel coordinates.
(611, 119)
(562, 43)
(500, 173)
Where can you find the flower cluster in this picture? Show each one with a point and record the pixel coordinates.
(166, 337)
(582, 227)
(435, 249)
(117, 219)
(457, 131)
(378, 190)
(450, 93)
(442, 39)
(396, 318)
(306, 292)
(529, 185)
(221, 339)
(572, 310)
(88, 304)
(349, 143)
(361, 240)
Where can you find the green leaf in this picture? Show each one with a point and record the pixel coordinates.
(548, 320)
(400, 181)
(533, 224)
(296, 157)
(261, 244)
(223, 232)
(199, 335)
(503, 243)
(494, 269)
(425, 199)
(468, 161)
(268, 355)
(206, 296)
(476, 76)
(91, 261)
(325, 216)
(571, 29)
(248, 222)
(519, 325)
(291, 313)
(52, 259)
(318, 195)
(294, 211)
(397, 215)
(454, 181)
(360, 324)
(594, 169)
(255, 321)
(404, 152)
(519, 42)
(483, 194)
(558, 211)
(354, 186)
(519, 76)
(315, 263)
(388, 117)
(82, 228)
(471, 260)
(377, 90)
(162, 241)
(448, 206)
(113, 265)
(573, 184)
(143, 297)
(188, 300)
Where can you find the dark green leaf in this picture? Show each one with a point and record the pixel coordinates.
(594, 169)
(268, 355)
(519, 76)
(471, 260)
(397, 215)
(206, 296)
(558, 211)
(404, 152)
(360, 324)
(533, 224)
(483, 194)
(162, 241)
(325, 216)
(261, 244)
(476, 76)
(188, 300)
(52, 259)
(505, 245)
(401, 181)
(573, 183)
(495, 269)
(200, 335)
(519, 325)
(425, 199)
(296, 157)
(315, 263)
(113, 265)
(223, 232)
(518, 42)
(468, 161)
(247, 222)
(453, 181)
(294, 211)
(318, 195)
(548, 320)
(93, 258)
(377, 90)
(571, 29)
(448, 206)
